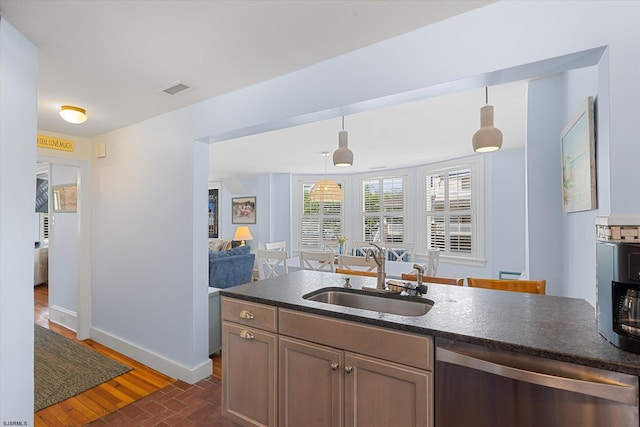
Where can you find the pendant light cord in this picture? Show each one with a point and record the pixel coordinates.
(342, 122)
(486, 95)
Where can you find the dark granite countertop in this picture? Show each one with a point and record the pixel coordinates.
(552, 327)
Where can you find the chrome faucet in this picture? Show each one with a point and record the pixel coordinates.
(420, 272)
(379, 258)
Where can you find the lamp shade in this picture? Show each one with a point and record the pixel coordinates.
(242, 233)
(342, 157)
(325, 191)
(487, 138)
(71, 114)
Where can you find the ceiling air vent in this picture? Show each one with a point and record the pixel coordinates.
(175, 88)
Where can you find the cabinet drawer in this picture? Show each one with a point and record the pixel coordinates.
(400, 347)
(247, 313)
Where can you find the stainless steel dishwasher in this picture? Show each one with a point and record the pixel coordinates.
(481, 387)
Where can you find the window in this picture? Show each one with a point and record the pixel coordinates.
(383, 209)
(452, 217)
(319, 220)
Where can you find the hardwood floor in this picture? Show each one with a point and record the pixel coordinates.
(166, 398)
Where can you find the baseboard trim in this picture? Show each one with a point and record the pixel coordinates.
(63, 317)
(153, 360)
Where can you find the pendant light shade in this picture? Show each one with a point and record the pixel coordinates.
(71, 114)
(325, 190)
(487, 138)
(343, 157)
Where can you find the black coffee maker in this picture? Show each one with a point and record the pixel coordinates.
(618, 282)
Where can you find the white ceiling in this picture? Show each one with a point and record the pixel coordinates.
(113, 57)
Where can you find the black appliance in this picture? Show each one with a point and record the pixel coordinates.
(618, 283)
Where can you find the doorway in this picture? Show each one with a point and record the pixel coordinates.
(69, 261)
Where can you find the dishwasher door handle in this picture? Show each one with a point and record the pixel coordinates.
(627, 394)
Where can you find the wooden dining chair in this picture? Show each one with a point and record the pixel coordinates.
(400, 251)
(271, 263)
(432, 279)
(433, 259)
(356, 272)
(330, 245)
(529, 286)
(348, 262)
(276, 246)
(318, 261)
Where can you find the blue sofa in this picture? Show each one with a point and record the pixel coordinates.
(230, 267)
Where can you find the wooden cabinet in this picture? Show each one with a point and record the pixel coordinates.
(320, 371)
(324, 385)
(249, 354)
(382, 393)
(311, 384)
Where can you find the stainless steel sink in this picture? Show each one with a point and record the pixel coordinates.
(392, 304)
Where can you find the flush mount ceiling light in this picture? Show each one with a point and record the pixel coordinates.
(487, 138)
(71, 114)
(325, 190)
(342, 157)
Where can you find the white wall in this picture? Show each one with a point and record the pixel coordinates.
(149, 273)
(545, 120)
(568, 262)
(146, 275)
(18, 62)
(579, 250)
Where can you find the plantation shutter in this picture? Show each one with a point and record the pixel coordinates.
(449, 211)
(383, 207)
(320, 220)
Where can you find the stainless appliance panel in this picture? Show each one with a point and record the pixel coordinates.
(494, 388)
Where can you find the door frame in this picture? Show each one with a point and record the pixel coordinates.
(83, 290)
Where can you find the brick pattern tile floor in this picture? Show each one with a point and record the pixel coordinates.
(179, 404)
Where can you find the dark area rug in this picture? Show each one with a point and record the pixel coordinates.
(64, 368)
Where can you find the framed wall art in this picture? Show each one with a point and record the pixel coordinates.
(578, 142)
(243, 210)
(65, 198)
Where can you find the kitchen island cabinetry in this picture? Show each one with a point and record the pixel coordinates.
(249, 352)
(330, 372)
(350, 375)
(380, 346)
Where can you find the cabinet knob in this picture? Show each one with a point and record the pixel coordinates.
(334, 366)
(246, 334)
(244, 314)
(348, 369)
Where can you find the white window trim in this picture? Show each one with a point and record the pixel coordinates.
(476, 164)
(407, 176)
(298, 182)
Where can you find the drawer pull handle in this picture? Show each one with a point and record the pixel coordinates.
(348, 369)
(246, 335)
(334, 366)
(244, 314)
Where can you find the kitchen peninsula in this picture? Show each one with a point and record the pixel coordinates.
(275, 313)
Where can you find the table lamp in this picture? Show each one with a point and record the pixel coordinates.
(242, 233)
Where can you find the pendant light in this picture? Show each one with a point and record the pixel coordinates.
(325, 190)
(487, 138)
(342, 157)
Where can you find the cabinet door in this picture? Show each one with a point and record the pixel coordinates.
(311, 384)
(249, 384)
(381, 393)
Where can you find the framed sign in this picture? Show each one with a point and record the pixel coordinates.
(243, 210)
(65, 197)
(578, 143)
